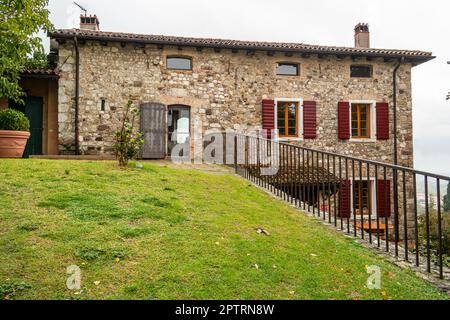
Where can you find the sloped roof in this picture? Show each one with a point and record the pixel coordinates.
(40, 72)
(295, 174)
(415, 56)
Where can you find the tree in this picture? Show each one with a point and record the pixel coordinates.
(128, 140)
(20, 20)
(447, 199)
(38, 61)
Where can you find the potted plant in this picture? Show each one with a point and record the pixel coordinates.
(14, 133)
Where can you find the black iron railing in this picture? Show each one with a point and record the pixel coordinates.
(388, 205)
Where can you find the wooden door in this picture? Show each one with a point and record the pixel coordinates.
(154, 128)
(33, 109)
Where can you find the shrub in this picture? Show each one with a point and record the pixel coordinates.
(434, 234)
(8, 291)
(128, 141)
(13, 120)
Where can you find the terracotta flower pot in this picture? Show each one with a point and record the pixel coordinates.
(13, 143)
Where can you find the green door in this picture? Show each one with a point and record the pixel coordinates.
(33, 109)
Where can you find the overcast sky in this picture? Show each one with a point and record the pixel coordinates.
(395, 24)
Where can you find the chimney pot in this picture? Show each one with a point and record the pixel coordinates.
(362, 35)
(89, 22)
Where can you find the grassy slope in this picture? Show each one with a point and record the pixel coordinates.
(183, 234)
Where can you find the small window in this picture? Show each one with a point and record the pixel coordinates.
(287, 119)
(361, 71)
(361, 121)
(287, 69)
(179, 63)
(362, 197)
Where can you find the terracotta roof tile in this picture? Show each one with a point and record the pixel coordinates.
(414, 55)
(40, 72)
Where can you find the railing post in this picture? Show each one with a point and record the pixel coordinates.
(396, 212)
(439, 220)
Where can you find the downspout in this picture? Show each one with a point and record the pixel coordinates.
(77, 96)
(394, 85)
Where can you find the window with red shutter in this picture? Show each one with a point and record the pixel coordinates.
(384, 198)
(288, 114)
(361, 121)
(344, 120)
(345, 200)
(309, 119)
(268, 116)
(382, 121)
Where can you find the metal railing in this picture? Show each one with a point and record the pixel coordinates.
(388, 205)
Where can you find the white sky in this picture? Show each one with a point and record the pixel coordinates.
(399, 24)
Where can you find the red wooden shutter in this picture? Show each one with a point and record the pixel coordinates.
(344, 120)
(268, 116)
(384, 188)
(382, 121)
(345, 200)
(309, 119)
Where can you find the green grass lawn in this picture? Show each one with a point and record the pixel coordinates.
(164, 233)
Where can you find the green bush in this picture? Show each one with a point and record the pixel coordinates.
(13, 120)
(128, 141)
(434, 235)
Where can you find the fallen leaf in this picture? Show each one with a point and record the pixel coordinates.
(96, 283)
(291, 293)
(262, 231)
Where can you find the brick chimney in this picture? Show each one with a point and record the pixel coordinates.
(89, 22)
(362, 36)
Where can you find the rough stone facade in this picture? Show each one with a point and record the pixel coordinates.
(224, 90)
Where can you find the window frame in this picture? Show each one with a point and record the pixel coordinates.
(373, 121)
(299, 126)
(372, 195)
(362, 65)
(179, 57)
(297, 64)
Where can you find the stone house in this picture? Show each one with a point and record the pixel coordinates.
(339, 99)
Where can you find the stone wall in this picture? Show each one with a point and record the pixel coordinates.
(224, 91)
(66, 100)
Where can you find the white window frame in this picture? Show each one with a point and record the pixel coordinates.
(299, 120)
(373, 120)
(373, 185)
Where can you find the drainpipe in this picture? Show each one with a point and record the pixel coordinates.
(77, 96)
(394, 85)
